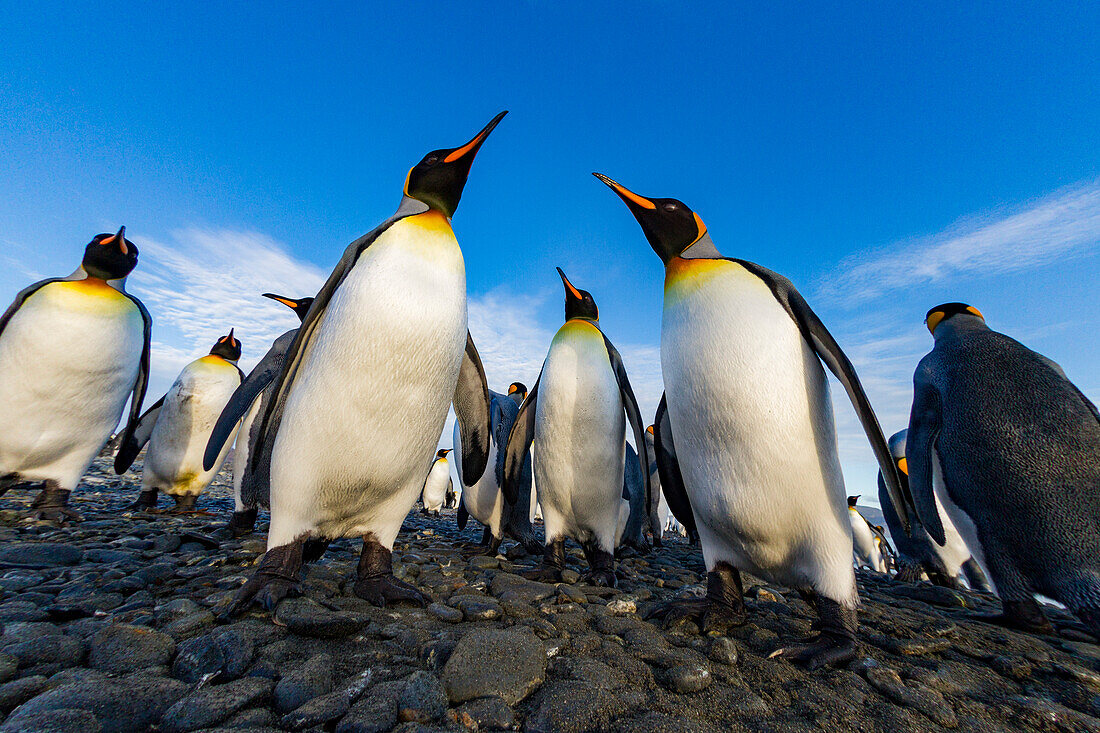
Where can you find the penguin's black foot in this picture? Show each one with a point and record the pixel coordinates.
(602, 564)
(314, 549)
(835, 643)
(185, 505)
(604, 578)
(146, 501)
(277, 578)
(242, 522)
(721, 609)
(1024, 616)
(376, 582)
(553, 562)
(51, 505)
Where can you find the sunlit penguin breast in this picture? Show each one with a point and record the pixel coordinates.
(748, 399)
(68, 360)
(364, 415)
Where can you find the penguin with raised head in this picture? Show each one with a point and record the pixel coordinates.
(917, 554)
(865, 542)
(1017, 446)
(483, 499)
(748, 402)
(250, 489)
(574, 418)
(178, 425)
(437, 484)
(73, 350)
(357, 409)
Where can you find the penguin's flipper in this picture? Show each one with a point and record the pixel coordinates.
(137, 396)
(634, 417)
(21, 298)
(131, 444)
(251, 389)
(519, 443)
(668, 468)
(924, 428)
(471, 403)
(463, 515)
(829, 351)
(273, 413)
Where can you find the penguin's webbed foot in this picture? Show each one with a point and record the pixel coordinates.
(146, 501)
(377, 583)
(51, 505)
(386, 590)
(835, 644)
(1026, 616)
(604, 577)
(242, 522)
(721, 609)
(277, 578)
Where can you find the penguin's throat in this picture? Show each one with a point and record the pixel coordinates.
(432, 220)
(684, 275)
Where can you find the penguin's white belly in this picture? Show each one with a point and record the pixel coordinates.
(960, 532)
(69, 358)
(365, 412)
(241, 451)
(750, 411)
(484, 500)
(435, 486)
(173, 461)
(579, 444)
(863, 540)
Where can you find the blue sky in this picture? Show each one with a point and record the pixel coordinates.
(884, 157)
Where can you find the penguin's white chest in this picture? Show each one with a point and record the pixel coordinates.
(373, 387)
(191, 408)
(579, 439)
(68, 360)
(750, 412)
(435, 486)
(483, 500)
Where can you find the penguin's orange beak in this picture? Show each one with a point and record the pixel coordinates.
(471, 147)
(119, 237)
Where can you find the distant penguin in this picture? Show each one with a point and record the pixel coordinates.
(72, 351)
(663, 514)
(483, 499)
(574, 417)
(437, 484)
(865, 543)
(748, 402)
(178, 426)
(250, 489)
(638, 532)
(917, 553)
(357, 409)
(1017, 446)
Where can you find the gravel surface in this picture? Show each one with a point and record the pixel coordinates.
(113, 625)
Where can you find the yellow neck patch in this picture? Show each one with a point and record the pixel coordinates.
(90, 294)
(683, 277)
(215, 359)
(432, 221)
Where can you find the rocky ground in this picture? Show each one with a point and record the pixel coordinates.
(112, 625)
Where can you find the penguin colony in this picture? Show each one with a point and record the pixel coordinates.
(742, 460)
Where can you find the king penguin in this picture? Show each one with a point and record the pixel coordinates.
(1017, 446)
(865, 541)
(72, 351)
(437, 484)
(250, 490)
(483, 499)
(356, 412)
(917, 554)
(177, 428)
(574, 417)
(748, 403)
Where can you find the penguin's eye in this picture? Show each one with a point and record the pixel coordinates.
(671, 207)
(431, 160)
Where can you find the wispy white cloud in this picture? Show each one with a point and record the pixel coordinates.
(1062, 225)
(206, 281)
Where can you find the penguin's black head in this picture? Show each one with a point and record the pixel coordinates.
(578, 303)
(227, 347)
(518, 390)
(852, 501)
(941, 313)
(669, 225)
(110, 256)
(442, 453)
(300, 306)
(439, 178)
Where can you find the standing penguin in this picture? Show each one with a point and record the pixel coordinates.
(865, 542)
(362, 397)
(72, 351)
(574, 418)
(1017, 446)
(655, 486)
(748, 402)
(178, 426)
(483, 499)
(250, 490)
(917, 553)
(437, 484)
